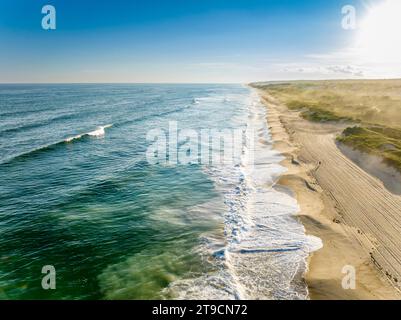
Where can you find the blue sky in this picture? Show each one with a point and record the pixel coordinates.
(174, 40)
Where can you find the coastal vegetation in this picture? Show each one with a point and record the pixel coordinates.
(370, 108)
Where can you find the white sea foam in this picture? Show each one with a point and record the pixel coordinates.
(99, 132)
(265, 248)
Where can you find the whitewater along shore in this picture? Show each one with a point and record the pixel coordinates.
(357, 218)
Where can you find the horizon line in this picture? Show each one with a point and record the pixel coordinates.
(182, 83)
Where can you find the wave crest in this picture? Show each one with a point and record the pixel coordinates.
(99, 132)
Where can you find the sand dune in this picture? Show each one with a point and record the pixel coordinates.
(357, 218)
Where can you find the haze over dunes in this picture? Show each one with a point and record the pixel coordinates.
(371, 108)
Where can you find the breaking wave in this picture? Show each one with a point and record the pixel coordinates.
(264, 255)
(99, 132)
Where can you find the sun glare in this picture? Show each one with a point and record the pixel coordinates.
(379, 37)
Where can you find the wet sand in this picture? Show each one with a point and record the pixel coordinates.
(357, 218)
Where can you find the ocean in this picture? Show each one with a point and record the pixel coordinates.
(81, 192)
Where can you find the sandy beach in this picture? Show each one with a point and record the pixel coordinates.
(356, 217)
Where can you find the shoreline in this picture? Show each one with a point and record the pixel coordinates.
(344, 244)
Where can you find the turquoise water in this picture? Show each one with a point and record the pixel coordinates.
(78, 193)
(90, 205)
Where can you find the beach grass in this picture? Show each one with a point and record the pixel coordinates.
(371, 107)
(381, 141)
